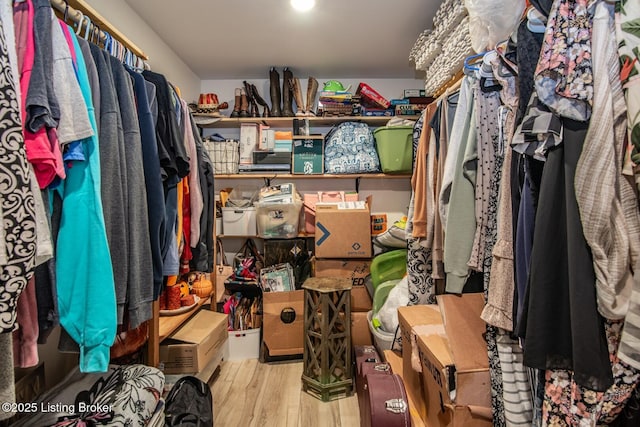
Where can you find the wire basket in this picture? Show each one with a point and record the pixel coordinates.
(224, 155)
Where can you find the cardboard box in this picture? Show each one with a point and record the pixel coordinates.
(395, 361)
(192, 346)
(343, 233)
(308, 158)
(283, 322)
(360, 333)
(371, 98)
(414, 92)
(455, 368)
(415, 320)
(249, 139)
(357, 270)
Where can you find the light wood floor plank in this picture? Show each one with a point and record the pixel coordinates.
(249, 393)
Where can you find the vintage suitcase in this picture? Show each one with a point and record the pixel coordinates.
(386, 403)
(368, 368)
(363, 354)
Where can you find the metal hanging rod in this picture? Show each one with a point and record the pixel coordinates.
(78, 9)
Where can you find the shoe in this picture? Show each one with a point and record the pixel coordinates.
(253, 107)
(294, 83)
(312, 90)
(287, 100)
(274, 92)
(244, 103)
(257, 98)
(236, 104)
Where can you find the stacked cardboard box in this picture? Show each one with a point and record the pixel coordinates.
(445, 368)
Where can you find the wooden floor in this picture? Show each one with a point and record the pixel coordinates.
(249, 393)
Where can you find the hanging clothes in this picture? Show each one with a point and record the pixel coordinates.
(138, 286)
(460, 223)
(612, 232)
(41, 144)
(87, 300)
(18, 214)
(152, 177)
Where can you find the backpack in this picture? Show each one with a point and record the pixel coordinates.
(350, 148)
(189, 403)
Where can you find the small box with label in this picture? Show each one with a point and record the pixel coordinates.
(308, 156)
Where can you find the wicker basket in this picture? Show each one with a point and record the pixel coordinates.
(224, 155)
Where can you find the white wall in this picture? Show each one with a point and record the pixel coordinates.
(161, 57)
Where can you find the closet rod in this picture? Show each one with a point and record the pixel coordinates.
(78, 8)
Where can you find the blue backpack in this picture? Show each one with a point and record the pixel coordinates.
(350, 148)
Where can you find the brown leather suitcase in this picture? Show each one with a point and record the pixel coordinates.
(386, 403)
(363, 354)
(368, 369)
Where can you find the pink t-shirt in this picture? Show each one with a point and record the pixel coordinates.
(42, 153)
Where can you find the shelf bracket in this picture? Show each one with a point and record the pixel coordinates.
(358, 184)
(267, 182)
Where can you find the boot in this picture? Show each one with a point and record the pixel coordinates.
(312, 89)
(274, 92)
(236, 104)
(244, 103)
(253, 107)
(297, 95)
(257, 98)
(287, 76)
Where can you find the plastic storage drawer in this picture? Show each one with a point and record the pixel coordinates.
(395, 148)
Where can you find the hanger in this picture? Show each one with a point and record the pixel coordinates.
(81, 21)
(469, 65)
(507, 57)
(66, 10)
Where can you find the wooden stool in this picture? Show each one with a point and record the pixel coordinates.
(327, 338)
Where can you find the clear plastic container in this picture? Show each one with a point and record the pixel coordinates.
(278, 220)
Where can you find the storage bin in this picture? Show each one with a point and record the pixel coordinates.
(278, 220)
(395, 148)
(383, 340)
(244, 344)
(239, 221)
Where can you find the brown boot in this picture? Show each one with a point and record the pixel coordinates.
(274, 92)
(257, 98)
(312, 89)
(253, 107)
(244, 103)
(236, 104)
(297, 95)
(287, 100)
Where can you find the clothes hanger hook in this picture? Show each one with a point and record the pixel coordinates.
(66, 10)
(87, 29)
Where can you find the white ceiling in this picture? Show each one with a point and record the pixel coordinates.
(227, 39)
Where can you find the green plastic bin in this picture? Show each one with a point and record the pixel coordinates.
(395, 148)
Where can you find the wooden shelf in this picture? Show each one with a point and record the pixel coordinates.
(287, 122)
(168, 324)
(278, 175)
(235, 236)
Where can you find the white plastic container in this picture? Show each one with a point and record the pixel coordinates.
(244, 344)
(239, 221)
(278, 220)
(383, 340)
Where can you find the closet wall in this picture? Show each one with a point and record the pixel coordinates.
(161, 57)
